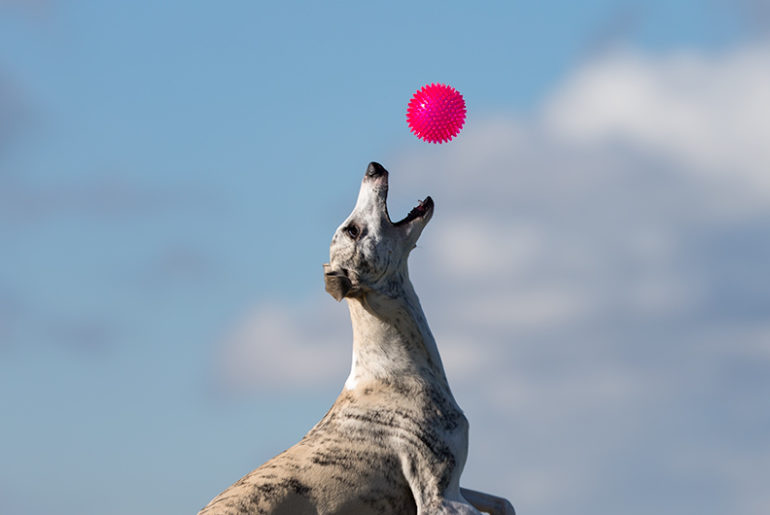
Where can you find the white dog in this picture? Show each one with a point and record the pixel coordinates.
(395, 440)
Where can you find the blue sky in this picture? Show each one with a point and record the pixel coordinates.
(171, 175)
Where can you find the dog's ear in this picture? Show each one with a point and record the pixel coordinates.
(337, 282)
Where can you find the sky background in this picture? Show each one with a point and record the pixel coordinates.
(171, 174)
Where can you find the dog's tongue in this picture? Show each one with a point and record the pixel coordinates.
(419, 210)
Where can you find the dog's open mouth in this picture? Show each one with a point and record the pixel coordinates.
(420, 210)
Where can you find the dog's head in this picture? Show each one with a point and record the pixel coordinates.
(368, 251)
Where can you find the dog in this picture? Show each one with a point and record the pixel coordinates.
(395, 441)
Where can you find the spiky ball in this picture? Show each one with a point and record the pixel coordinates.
(436, 113)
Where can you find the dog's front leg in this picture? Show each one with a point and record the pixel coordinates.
(429, 500)
(488, 503)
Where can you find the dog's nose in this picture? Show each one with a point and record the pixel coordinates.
(375, 170)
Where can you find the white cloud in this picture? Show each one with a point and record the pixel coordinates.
(280, 347)
(596, 280)
(711, 112)
(473, 247)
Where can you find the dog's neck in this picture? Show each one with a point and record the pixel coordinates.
(391, 339)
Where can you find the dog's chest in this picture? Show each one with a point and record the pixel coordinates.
(424, 427)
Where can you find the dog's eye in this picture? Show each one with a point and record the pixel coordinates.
(352, 231)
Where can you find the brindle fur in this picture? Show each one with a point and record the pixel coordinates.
(395, 440)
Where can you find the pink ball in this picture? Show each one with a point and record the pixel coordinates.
(436, 113)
